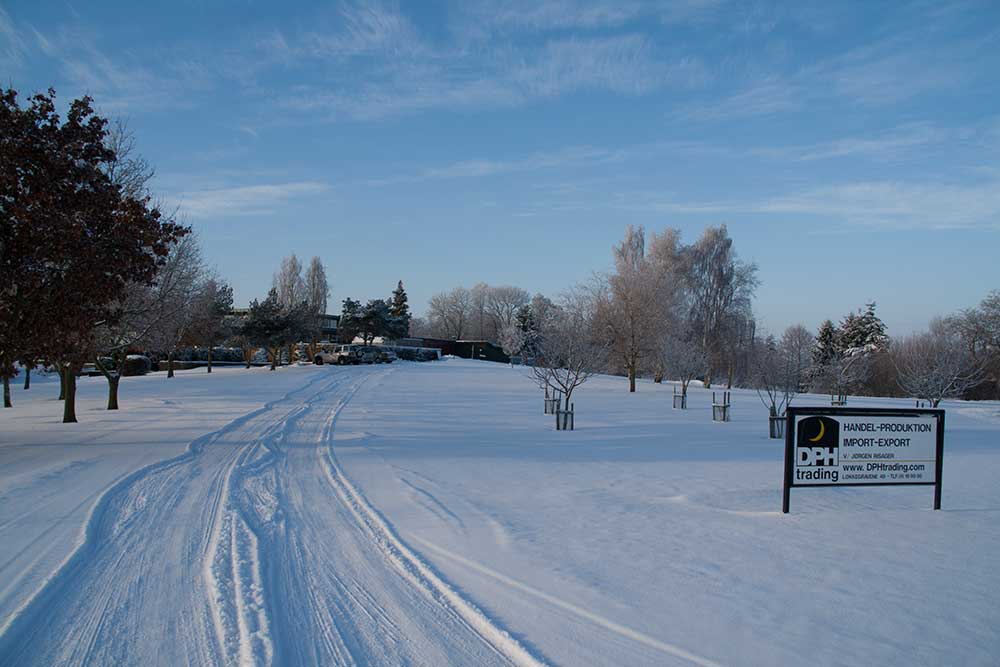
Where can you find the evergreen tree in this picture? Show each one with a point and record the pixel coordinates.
(350, 312)
(526, 323)
(265, 324)
(827, 345)
(399, 311)
(863, 332)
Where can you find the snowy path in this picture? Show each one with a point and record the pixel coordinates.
(251, 548)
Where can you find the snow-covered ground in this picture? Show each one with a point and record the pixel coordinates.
(429, 514)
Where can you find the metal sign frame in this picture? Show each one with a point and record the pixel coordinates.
(793, 412)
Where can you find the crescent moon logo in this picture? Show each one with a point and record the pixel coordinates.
(822, 432)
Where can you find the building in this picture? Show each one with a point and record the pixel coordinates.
(466, 349)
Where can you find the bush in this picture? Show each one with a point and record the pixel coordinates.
(136, 364)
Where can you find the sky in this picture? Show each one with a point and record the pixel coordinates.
(850, 148)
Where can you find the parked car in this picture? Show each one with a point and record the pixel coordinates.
(386, 356)
(369, 354)
(340, 355)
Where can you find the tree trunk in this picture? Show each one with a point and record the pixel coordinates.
(658, 377)
(935, 402)
(69, 405)
(209, 358)
(274, 357)
(289, 355)
(6, 392)
(27, 378)
(631, 378)
(112, 377)
(113, 381)
(729, 382)
(170, 364)
(62, 386)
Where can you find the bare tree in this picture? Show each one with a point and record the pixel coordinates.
(450, 313)
(935, 365)
(502, 304)
(210, 319)
(289, 284)
(317, 290)
(568, 353)
(478, 322)
(779, 368)
(177, 287)
(797, 344)
(843, 374)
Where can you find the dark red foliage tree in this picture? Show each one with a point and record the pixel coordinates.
(70, 240)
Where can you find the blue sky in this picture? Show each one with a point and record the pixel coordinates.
(851, 148)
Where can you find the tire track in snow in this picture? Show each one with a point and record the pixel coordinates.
(409, 565)
(113, 533)
(617, 628)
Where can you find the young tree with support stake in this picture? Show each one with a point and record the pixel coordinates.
(568, 352)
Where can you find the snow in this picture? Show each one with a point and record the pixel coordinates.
(430, 514)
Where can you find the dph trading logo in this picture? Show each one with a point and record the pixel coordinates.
(818, 442)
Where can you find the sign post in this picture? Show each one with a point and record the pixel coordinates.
(863, 447)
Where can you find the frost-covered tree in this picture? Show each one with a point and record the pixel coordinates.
(721, 288)
(936, 365)
(779, 368)
(568, 353)
(979, 329)
(682, 358)
(862, 332)
(626, 305)
(513, 340)
(798, 344)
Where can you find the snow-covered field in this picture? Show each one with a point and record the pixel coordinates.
(429, 514)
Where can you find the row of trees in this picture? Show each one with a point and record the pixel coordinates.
(94, 270)
(668, 309)
(480, 313)
(291, 313)
(379, 318)
(957, 357)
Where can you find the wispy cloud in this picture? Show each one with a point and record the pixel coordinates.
(885, 204)
(262, 199)
(892, 144)
(474, 168)
(12, 46)
(897, 204)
